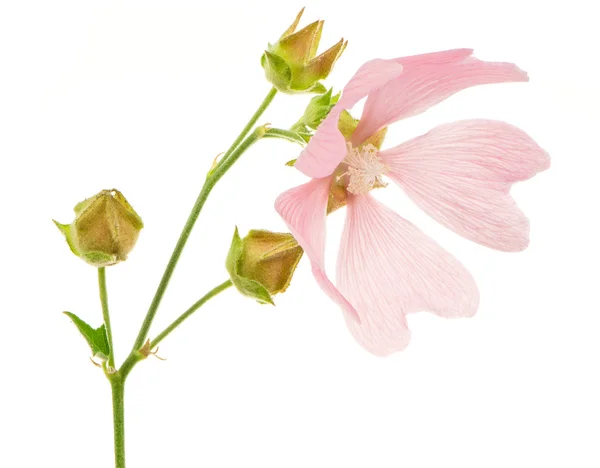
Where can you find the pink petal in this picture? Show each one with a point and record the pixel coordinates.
(370, 76)
(327, 148)
(388, 268)
(435, 58)
(427, 82)
(461, 174)
(303, 209)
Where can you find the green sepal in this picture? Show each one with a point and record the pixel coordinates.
(247, 287)
(317, 88)
(99, 259)
(320, 67)
(277, 71)
(301, 46)
(324, 101)
(316, 111)
(291, 162)
(253, 289)
(347, 124)
(376, 139)
(66, 230)
(96, 338)
(294, 25)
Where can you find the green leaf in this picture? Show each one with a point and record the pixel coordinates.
(96, 338)
(247, 287)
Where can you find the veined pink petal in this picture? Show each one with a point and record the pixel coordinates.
(388, 268)
(303, 209)
(426, 83)
(435, 58)
(370, 76)
(461, 174)
(327, 148)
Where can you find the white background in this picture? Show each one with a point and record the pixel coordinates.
(142, 97)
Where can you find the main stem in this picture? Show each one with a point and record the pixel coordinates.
(105, 314)
(117, 384)
(117, 379)
(231, 156)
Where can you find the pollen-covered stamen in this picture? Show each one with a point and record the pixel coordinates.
(365, 169)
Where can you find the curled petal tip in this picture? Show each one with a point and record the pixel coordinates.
(521, 73)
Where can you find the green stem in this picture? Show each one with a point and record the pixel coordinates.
(117, 384)
(117, 380)
(285, 135)
(199, 303)
(261, 109)
(105, 314)
(231, 156)
(209, 184)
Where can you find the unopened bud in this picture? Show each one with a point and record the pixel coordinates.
(263, 263)
(292, 64)
(105, 229)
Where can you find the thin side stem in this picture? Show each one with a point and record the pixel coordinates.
(105, 314)
(193, 308)
(230, 157)
(261, 109)
(211, 181)
(117, 385)
(285, 135)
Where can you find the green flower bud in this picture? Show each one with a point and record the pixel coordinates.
(105, 229)
(292, 64)
(262, 263)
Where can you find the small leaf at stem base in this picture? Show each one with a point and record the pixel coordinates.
(96, 338)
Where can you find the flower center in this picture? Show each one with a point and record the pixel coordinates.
(365, 169)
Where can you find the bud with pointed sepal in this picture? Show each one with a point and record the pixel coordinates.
(105, 229)
(262, 263)
(292, 64)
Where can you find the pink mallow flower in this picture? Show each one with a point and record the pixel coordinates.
(458, 173)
